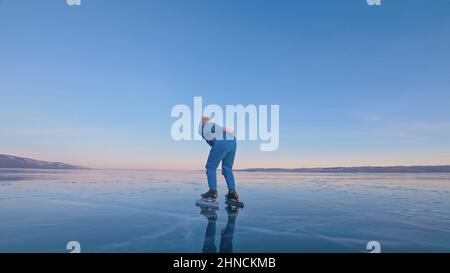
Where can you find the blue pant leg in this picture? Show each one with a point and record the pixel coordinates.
(216, 155)
(227, 164)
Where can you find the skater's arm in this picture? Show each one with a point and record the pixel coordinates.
(209, 130)
(219, 129)
(228, 131)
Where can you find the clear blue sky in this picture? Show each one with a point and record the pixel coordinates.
(357, 85)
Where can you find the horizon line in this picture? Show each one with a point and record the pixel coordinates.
(240, 169)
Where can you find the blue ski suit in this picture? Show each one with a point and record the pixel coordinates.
(223, 149)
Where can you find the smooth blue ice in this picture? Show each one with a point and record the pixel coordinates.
(154, 211)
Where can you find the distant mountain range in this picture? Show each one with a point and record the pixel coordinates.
(13, 162)
(368, 169)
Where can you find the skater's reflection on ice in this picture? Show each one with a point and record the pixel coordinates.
(226, 238)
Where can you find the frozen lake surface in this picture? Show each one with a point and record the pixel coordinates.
(154, 211)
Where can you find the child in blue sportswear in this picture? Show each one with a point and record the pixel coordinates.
(223, 149)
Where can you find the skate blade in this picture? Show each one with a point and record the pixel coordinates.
(234, 203)
(206, 204)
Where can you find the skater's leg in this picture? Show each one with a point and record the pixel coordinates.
(227, 165)
(215, 156)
